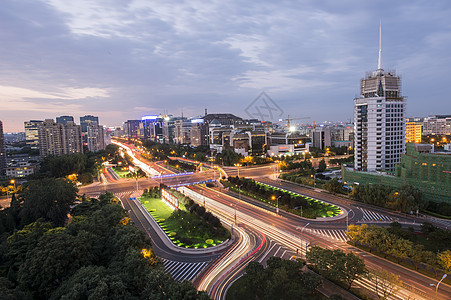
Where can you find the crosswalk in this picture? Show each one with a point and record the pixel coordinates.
(339, 235)
(369, 215)
(444, 223)
(181, 271)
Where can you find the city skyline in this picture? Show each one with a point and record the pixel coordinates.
(121, 61)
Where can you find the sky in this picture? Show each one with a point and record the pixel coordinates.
(122, 59)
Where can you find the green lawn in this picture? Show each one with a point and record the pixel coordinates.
(185, 230)
(157, 208)
(322, 210)
(121, 173)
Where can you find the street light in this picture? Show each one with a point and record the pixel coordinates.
(302, 229)
(238, 166)
(436, 285)
(274, 198)
(314, 180)
(239, 191)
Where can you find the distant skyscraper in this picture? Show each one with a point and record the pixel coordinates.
(152, 128)
(84, 122)
(379, 120)
(58, 139)
(133, 129)
(64, 119)
(96, 139)
(31, 133)
(2, 152)
(182, 131)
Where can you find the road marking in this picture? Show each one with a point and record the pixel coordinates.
(181, 271)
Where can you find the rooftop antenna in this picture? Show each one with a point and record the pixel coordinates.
(379, 63)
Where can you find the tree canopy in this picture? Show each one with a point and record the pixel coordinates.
(94, 256)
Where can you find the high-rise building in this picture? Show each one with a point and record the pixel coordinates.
(58, 139)
(72, 138)
(64, 119)
(84, 122)
(199, 133)
(152, 128)
(2, 152)
(96, 139)
(379, 120)
(182, 132)
(133, 129)
(32, 134)
(169, 128)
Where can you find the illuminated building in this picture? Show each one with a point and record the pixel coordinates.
(379, 121)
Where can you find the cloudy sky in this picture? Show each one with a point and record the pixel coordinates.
(121, 59)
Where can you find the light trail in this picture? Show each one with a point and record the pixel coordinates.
(142, 165)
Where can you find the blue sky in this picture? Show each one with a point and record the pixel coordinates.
(121, 59)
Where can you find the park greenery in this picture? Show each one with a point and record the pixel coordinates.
(86, 166)
(289, 201)
(190, 226)
(405, 199)
(427, 251)
(337, 266)
(181, 165)
(441, 209)
(95, 253)
(159, 151)
(281, 279)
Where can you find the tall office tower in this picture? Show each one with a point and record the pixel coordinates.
(58, 139)
(152, 127)
(199, 133)
(2, 152)
(84, 122)
(32, 134)
(64, 119)
(379, 120)
(169, 128)
(96, 139)
(133, 129)
(182, 131)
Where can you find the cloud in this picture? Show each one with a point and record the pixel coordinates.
(94, 57)
(16, 98)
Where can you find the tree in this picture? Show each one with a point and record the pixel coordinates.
(49, 199)
(444, 258)
(322, 165)
(386, 283)
(336, 265)
(333, 185)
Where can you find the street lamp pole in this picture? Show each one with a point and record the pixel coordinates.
(437, 285)
(314, 180)
(277, 207)
(302, 229)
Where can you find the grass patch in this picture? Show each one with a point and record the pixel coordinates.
(156, 207)
(315, 208)
(120, 173)
(184, 228)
